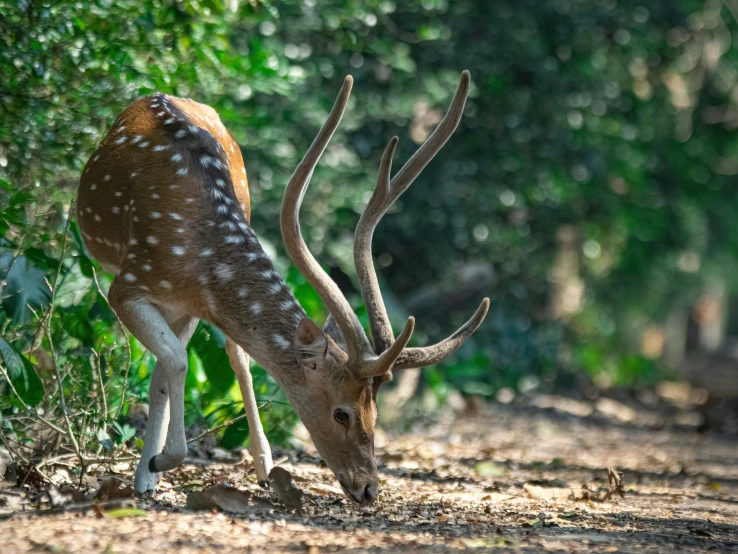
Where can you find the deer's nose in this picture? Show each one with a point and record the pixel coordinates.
(370, 494)
(361, 493)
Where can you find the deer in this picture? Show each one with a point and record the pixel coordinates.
(163, 204)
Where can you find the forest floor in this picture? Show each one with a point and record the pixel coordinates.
(526, 477)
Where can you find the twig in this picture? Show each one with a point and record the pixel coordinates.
(88, 462)
(226, 424)
(30, 410)
(45, 323)
(128, 349)
(96, 356)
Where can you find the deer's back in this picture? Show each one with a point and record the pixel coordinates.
(144, 182)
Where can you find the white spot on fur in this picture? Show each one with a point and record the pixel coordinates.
(155, 215)
(93, 186)
(146, 267)
(130, 277)
(132, 241)
(143, 145)
(180, 134)
(165, 285)
(224, 271)
(281, 342)
(242, 291)
(106, 178)
(176, 158)
(175, 216)
(251, 256)
(182, 171)
(151, 239)
(97, 217)
(155, 196)
(115, 209)
(135, 139)
(233, 239)
(178, 250)
(160, 147)
(207, 252)
(255, 307)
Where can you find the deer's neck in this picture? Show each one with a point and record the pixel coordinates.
(250, 302)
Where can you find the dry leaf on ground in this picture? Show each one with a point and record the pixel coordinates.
(281, 482)
(227, 499)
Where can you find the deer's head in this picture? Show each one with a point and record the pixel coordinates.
(342, 368)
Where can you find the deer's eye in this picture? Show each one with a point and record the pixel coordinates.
(342, 416)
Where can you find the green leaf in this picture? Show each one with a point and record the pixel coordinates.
(125, 512)
(26, 286)
(236, 434)
(209, 344)
(22, 374)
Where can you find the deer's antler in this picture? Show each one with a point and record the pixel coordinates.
(388, 353)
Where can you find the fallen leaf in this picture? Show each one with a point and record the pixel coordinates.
(124, 512)
(615, 480)
(488, 469)
(281, 482)
(226, 499)
(114, 487)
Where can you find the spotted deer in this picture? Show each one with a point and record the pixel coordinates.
(163, 204)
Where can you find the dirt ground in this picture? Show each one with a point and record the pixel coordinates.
(526, 477)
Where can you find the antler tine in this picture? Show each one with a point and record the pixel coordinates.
(383, 364)
(385, 194)
(348, 323)
(376, 207)
(429, 355)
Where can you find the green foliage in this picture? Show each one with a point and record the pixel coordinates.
(22, 375)
(610, 121)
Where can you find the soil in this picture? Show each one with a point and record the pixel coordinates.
(527, 477)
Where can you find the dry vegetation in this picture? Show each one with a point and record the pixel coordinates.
(528, 477)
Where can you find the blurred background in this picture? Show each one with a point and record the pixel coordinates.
(589, 192)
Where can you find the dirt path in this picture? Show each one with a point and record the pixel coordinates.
(511, 478)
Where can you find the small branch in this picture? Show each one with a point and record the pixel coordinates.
(29, 409)
(61, 460)
(226, 424)
(45, 323)
(128, 349)
(104, 399)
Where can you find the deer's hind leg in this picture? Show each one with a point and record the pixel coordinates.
(259, 448)
(166, 337)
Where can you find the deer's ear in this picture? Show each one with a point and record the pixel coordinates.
(311, 345)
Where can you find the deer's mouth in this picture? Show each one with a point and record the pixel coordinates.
(364, 496)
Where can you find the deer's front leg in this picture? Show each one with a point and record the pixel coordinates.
(259, 448)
